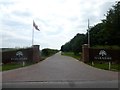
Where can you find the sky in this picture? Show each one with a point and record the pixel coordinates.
(58, 20)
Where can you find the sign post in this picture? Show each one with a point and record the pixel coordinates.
(19, 57)
(92, 63)
(109, 65)
(23, 63)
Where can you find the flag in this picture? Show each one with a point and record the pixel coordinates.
(35, 26)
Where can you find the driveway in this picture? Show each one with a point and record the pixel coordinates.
(59, 71)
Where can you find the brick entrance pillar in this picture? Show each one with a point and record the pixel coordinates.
(85, 53)
(36, 53)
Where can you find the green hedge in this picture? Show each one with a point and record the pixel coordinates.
(48, 52)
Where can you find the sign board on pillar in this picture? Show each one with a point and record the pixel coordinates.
(19, 56)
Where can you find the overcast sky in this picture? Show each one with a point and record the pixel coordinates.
(58, 20)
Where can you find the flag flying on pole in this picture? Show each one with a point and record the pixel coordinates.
(35, 26)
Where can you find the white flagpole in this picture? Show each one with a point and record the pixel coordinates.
(88, 34)
(33, 36)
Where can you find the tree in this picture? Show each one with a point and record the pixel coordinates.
(75, 44)
(112, 25)
(97, 35)
(105, 33)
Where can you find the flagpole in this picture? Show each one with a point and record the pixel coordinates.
(36, 27)
(88, 34)
(33, 36)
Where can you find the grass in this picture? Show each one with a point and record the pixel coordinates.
(97, 64)
(105, 66)
(0, 68)
(14, 65)
(71, 54)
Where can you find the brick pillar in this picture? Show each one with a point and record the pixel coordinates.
(85, 53)
(36, 53)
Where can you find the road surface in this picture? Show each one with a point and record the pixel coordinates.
(59, 71)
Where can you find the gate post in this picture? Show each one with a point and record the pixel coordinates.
(85, 53)
(36, 53)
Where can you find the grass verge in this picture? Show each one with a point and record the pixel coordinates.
(10, 66)
(71, 54)
(0, 68)
(105, 66)
(97, 64)
(15, 65)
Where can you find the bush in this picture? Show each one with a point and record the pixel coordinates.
(107, 46)
(48, 52)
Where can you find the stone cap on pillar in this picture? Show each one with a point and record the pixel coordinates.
(36, 46)
(85, 45)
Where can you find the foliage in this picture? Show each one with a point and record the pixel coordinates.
(75, 44)
(107, 47)
(112, 25)
(14, 65)
(71, 54)
(105, 65)
(105, 33)
(48, 52)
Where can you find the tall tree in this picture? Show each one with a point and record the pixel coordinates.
(105, 33)
(112, 25)
(75, 44)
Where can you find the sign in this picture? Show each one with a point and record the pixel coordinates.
(103, 55)
(19, 56)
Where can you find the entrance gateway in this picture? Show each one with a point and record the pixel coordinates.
(93, 54)
(103, 55)
(19, 56)
(31, 54)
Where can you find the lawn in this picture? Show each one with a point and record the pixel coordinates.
(105, 65)
(0, 68)
(71, 54)
(97, 64)
(15, 65)
(11, 66)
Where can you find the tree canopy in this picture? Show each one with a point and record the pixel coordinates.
(105, 33)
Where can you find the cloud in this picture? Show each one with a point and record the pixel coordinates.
(58, 20)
